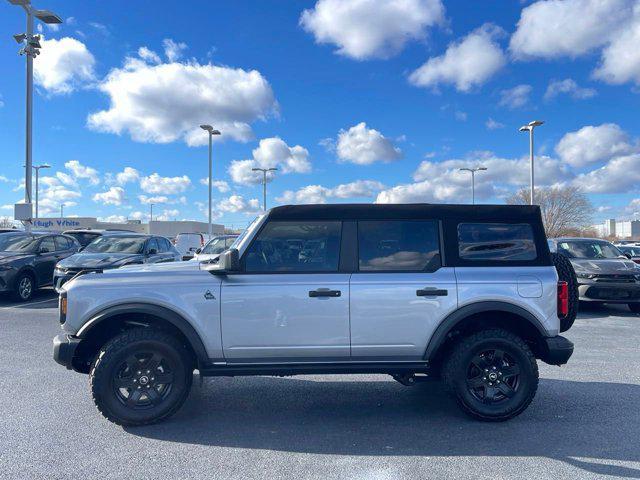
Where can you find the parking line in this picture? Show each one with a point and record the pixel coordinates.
(29, 304)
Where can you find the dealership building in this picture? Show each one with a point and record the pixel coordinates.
(167, 229)
(622, 229)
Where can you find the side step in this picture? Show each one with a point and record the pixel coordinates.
(283, 370)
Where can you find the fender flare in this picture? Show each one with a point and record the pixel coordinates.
(164, 313)
(455, 318)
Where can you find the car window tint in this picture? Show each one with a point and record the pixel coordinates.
(496, 242)
(295, 247)
(398, 245)
(48, 244)
(162, 246)
(61, 243)
(153, 245)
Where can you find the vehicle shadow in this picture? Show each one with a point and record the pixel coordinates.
(42, 298)
(574, 422)
(595, 310)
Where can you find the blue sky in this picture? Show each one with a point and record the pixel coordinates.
(352, 100)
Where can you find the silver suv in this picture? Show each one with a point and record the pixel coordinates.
(464, 294)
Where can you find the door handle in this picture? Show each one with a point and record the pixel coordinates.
(324, 292)
(431, 292)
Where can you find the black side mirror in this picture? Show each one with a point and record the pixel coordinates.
(152, 251)
(628, 255)
(43, 250)
(198, 250)
(229, 261)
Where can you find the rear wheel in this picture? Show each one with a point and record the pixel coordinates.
(492, 374)
(140, 377)
(634, 307)
(25, 286)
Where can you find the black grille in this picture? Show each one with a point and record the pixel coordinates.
(617, 278)
(600, 293)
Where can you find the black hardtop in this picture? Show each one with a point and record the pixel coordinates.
(408, 211)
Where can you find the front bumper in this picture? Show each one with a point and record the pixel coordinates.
(609, 292)
(60, 279)
(556, 350)
(64, 349)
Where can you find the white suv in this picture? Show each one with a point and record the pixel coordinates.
(466, 294)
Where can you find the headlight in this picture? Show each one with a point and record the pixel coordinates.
(585, 275)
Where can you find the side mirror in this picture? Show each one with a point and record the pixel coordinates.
(229, 261)
(628, 255)
(152, 251)
(198, 250)
(43, 250)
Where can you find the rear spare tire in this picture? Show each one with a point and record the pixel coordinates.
(566, 273)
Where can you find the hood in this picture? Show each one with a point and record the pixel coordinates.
(605, 266)
(9, 256)
(96, 260)
(177, 266)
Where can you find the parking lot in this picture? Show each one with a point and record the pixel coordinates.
(584, 422)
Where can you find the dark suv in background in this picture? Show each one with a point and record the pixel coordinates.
(27, 260)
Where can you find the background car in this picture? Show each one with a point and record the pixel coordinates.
(27, 260)
(86, 236)
(214, 247)
(188, 243)
(604, 274)
(113, 251)
(632, 252)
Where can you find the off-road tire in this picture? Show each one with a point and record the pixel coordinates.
(107, 368)
(457, 366)
(18, 293)
(566, 273)
(634, 307)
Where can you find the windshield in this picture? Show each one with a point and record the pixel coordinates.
(590, 250)
(18, 243)
(633, 251)
(83, 238)
(217, 245)
(116, 244)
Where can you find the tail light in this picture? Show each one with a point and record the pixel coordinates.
(563, 299)
(62, 307)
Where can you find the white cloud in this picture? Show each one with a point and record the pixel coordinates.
(593, 144)
(149, 55)
(555, 29)
(270, 153)
(220, 185)
(4, 179)
(491, 124)
(461, 116)
(113, 196)
(129, 174)
(81, 171)
(173, 50)
(167, 215)
(63, 65)
(620, 61)
(515, 97)
(157, 199)
(237, 204)
(569, 87)
(157, 184)
(167, 102)
(467, 63)
(320, 194)
(620, 175)
(113, 219)
(1, 102)
(363, 29)
(363, 146)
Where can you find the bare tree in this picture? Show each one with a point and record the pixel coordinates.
(565, 210)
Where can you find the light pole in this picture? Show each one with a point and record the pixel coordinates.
(31, 48)
(151, 212)
(61, 211)
(473, 180)
(529, 128)
(212, 132)
(37, 169)
(264, 183)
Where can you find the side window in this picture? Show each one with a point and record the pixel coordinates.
(496, 242)
(62, 243)
(295, 247)
(47, 245)
(162, 245)
(153, 245)
(398, 245)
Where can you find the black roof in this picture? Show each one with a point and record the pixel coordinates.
(409, 211)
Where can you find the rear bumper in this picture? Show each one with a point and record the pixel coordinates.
(64, 349)
(556, 350)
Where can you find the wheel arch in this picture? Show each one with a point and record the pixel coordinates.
(482, 315)
(29, 270)
(113, 320)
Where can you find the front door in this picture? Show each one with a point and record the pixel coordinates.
(290, 303)
(401, 292)
(46, 261)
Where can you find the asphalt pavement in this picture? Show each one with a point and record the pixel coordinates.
(584, 422)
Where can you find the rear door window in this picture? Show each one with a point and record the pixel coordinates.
(398, 246)
(496, 242)
(62, 243)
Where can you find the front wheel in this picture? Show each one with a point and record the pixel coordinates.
(492, 374)
(25, 287)
(141, 376)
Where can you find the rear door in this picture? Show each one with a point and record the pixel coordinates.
(290, 304)
(401, 291)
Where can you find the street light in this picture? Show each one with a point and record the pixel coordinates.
(37, 169)
(529, 128)
(150, 214)
(473, 180)
(264, 183)
(212, 132)
(61, 211)
(31, 48)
